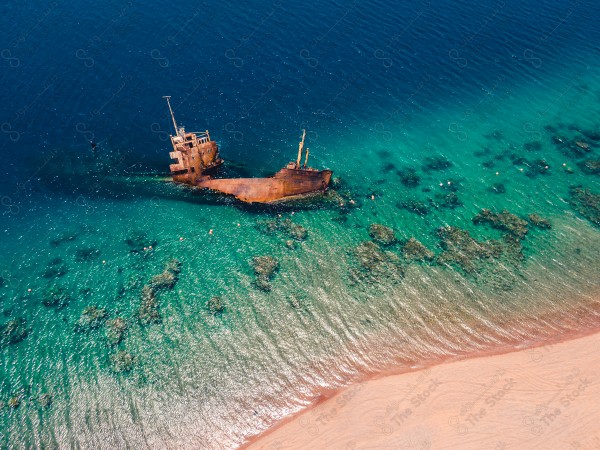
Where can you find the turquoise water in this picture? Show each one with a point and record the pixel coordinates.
(380, 88)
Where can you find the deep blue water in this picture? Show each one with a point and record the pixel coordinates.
(379, 86)
(255, 74)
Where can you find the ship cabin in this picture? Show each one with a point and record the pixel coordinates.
(194, 152)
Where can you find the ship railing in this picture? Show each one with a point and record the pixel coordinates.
(202, 136)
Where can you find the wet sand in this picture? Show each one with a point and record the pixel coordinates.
(544, 397)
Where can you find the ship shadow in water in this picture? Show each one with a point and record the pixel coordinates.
(114, 176)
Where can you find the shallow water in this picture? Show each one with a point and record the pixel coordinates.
(381, 88)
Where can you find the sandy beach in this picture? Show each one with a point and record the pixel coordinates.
(545, 397)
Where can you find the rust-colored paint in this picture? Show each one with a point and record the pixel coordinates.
(196, 154)
(285, 183)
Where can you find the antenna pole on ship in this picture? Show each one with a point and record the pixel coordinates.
(171, 111)
(300, 147)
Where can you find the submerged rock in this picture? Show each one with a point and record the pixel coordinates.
(497, 188)
(148, 311)
(462, 250)
(91, 318)
(149, 308)
(14, 402)
(165, 280)
(504, 221)
(450, 200)
(63, 238)
(534, 146)
(586, 203)
(375, 264)
(168, 278)
(56, 296)
(216, 306)
(591, 166)
(436, 163)
(381, 234)
(138, 242)
(86, 254)
(572, 148)
(55, 268)
(265, 268)
(13, 331)
(45, 400)
(537, 167)
(414, 250)
(265, 265)
(115, 330)
(173, 266)
(409, 177)
(496, 135)
(592, 135)
(538, 221)
(285, 226)
(122, 361)
(414, 206)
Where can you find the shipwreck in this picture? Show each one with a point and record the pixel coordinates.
(198, 158)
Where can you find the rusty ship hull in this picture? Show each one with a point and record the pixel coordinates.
(196, 155)
(286, 184)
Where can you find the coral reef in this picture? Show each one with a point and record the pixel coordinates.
(381, 234)
(122, 361)
(138, 242)
(63, 238)
(590, 166)
(409, 177)
(537, 167)
(586, 203)
(449, 200)
(285, 226)
(216, 306)
(414, 206)
(534, 146)
(538, 221)
(462, 250)
(148, 311)
(86, 254)
(55, 268)
(149, 308)
(504, 221)
(13, 331)
(592, 135)
(45, 400)
(495, 135)
(91, 318)
(572, 148)
(115, 330)
(375, 264)
(413, 250)
(436, 163)
(168, 278)
(497, 188)
(265, 268)
(56, 296)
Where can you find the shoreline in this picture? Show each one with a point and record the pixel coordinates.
(337, 420)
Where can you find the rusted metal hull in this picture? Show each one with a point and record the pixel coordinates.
(284, 184)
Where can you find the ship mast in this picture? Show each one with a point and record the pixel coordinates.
(300, 147)
(306, 159)
(172, 115)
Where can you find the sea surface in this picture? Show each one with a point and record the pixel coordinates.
(427, 112)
